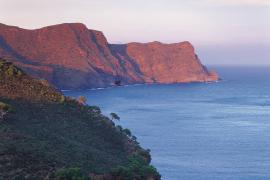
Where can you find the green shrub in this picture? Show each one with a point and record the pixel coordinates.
(71, 174)
(12, 70)
(5, 107)
(137, 168)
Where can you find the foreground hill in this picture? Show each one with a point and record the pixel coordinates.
(45, 135)
(72, 56)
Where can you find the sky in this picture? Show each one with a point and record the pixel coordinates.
(222, 31)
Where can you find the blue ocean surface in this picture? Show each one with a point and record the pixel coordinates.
(199, 131)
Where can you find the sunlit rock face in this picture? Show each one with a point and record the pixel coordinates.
(165, 63)
(73, 57)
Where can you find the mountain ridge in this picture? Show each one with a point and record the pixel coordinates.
(71, 56)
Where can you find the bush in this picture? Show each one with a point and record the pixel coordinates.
(5, 107)
(12, 70)
(71, 174)
(137, 168)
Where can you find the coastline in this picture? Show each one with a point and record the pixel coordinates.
(141, 84)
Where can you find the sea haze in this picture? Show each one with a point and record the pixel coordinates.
(199, 131)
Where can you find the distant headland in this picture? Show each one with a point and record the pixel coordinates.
(71, 56)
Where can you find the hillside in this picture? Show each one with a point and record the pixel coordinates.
(15, 84)
(71, 56)
(45, 135)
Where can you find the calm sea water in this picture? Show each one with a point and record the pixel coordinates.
(199, 131)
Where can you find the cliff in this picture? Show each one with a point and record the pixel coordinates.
(45, 135)
(72, 56)
(165, 63)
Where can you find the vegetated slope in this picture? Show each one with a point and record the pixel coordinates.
(72, 56)
(45, 132)
(14, 83)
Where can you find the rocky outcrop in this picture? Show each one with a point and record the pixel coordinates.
(72, 56)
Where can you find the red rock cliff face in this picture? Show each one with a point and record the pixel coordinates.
(72, 56)
(166, 63)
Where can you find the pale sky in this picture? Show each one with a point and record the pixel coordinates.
(222, 31)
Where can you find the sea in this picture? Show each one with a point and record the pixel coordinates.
(198, 131)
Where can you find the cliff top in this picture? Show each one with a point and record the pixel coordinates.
(70, 56)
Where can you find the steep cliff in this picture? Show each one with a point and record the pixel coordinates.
(72, 56)
(165, 63)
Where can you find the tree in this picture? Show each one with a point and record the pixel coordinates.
(114, 116)
(136, 168)
(127, 132)
(119, 128)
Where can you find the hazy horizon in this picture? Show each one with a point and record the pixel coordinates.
(222, 31)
